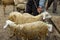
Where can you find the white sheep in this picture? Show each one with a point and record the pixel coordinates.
(6, 2)
(20, 5)
(16, 17)
(19, 18)
(30, 30)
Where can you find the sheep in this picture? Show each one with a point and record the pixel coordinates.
(20, 5)
(19, 1)
(19, 18)
(30, 30)
(16, 17)
(6, 2)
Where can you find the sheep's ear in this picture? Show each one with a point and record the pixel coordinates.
(12, 18)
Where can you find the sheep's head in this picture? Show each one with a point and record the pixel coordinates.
(15, 17)
(12, 18)
(10, 23)
(46, 15)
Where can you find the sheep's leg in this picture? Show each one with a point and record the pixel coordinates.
(20, 38)
(17, 38)
(18, 9)
(0, 1)
(14, 9)
(12, 36)
(23, 38)
(36, 38)
(30, 38)
(4, 9)
(39, 38)
(42, 37)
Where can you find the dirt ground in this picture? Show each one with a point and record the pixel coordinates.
(4, 33)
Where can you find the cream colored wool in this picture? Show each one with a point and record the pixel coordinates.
(28, 26)
(16, 17)
(29, 18)
(31, 30)
(19, 1)
(8, 1)
(21, 6)
(19, 18)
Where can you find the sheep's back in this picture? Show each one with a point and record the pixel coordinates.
(34, 29)
(8, 2)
